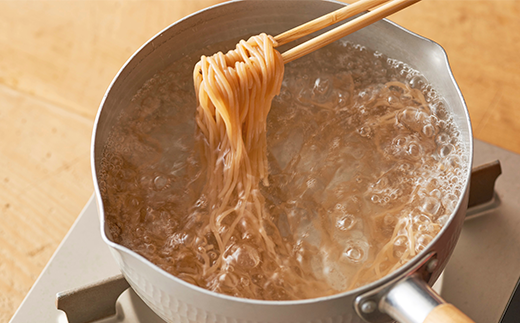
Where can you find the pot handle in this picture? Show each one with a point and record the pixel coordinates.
(447, 313)
(413, 301)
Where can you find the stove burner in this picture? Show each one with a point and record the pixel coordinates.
(482, 184)
(101, 298)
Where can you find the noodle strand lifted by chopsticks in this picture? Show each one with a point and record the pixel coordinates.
(234, 92)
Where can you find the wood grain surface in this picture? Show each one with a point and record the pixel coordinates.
(58, 57)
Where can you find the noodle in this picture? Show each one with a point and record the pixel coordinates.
(234, 92)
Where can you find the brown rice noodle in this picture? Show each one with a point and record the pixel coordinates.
(234, 93)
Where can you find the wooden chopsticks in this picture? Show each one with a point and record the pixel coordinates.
(349, 27)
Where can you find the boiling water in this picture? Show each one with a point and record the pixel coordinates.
(365, 167)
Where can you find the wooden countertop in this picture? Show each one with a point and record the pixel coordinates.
(58, 57)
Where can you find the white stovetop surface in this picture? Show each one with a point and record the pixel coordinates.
(478, 279)
(81, 258)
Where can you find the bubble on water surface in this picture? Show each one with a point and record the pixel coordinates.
(356, 251)
(244, 256)
(160, 182)
(346, 222)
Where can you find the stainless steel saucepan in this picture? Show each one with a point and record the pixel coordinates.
(403, 295)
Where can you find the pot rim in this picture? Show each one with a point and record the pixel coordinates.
(395, 275)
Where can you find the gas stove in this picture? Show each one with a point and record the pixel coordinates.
(479, 279)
